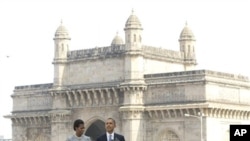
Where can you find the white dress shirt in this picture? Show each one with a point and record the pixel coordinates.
(112, 136)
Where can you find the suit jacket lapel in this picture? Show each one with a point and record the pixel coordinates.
(105, 136)
(115, 137)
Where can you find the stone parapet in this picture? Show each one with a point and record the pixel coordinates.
(98, 52)
(33, 87)
(118, 50)
(201, 75)
(163, 54)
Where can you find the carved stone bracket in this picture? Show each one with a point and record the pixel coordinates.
(132, 112)
(89, 97)
(30, 119)
(69, 98)
(133, 88)
(60, 115)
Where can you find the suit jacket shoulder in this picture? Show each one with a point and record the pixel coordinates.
(118, 137)
(103, 137)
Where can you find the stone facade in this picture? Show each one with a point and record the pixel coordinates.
(147, 90)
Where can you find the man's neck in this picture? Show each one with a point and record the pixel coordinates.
(110, 132)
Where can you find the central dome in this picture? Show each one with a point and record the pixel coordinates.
(117, 40)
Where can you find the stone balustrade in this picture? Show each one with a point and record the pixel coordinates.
(96, 52)
(37, 86)
(199, 72)
(162, 52)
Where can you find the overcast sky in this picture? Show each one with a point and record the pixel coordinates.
(27, 28)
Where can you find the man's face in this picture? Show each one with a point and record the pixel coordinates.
(110, 126)
(80, 130)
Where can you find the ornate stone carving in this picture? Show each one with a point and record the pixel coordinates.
(39, 102)
(60, 115)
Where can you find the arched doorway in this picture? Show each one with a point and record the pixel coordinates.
(95, 129)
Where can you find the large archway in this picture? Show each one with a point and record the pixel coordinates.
(95, 129)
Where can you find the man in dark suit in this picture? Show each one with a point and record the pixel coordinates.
(110, 135)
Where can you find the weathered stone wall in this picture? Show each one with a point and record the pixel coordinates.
(204, 86)
(93, 71)
(176, 94)
(152, 66)
(32, 97)
(160, 60)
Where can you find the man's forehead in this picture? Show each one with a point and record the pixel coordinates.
(109, 121)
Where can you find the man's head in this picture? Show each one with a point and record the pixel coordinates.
(79, 127)
(110, 125)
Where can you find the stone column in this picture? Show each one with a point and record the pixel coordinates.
(60, 116)
(133, 113)
(19, 132)
(133, 123)
(60, 121)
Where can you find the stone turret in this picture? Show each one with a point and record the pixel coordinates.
(133, 46)
(134, 85)
(61, 48)
(133, 33)
(187, 46)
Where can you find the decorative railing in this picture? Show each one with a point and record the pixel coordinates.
(199, 72)
(37, 86)
(95, 52)
(162, 52)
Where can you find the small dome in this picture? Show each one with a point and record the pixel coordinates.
(187, 34)
(133, 22)
(62, 32)
(117, 40)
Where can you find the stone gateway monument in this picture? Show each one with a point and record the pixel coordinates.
(154, 94)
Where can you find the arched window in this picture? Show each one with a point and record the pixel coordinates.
(57, 47)
(169, 136)
(134, 38)
(62, 47)
(183, 48)
(95, 129)
(128, 38)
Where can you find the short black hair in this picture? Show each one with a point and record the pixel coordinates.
(112, 120)
(77, 123)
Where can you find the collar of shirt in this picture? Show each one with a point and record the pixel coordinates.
(112, 135)
(78, 137)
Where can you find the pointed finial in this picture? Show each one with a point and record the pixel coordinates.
(186, 24)
(132, 13)
(61, 21)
